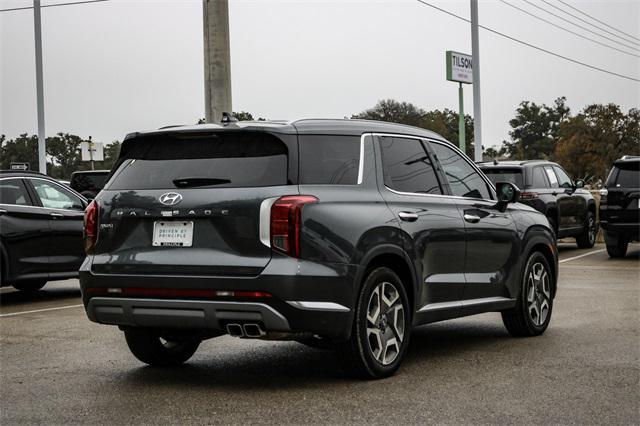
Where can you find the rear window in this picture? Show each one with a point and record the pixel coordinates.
(505, 175)
(225, 160)
(629, 177)
(329, 159)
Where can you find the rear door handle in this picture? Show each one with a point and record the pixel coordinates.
(471, 218)
(56, 215)
(408, 216)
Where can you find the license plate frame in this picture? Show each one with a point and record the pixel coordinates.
(180, 233)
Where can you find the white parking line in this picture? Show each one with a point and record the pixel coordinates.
(39, 310)
(582, 255)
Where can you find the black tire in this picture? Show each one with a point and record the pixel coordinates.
(29, 286)
(149, 347)
(619, 249)
(521, 321)
(588, 237)
(358, 353)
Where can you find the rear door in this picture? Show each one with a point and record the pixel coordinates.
(66, 213)
(24, 228)
(572, 206)
(492, 242)
(195, 204)
(414, 194)
(623, 196)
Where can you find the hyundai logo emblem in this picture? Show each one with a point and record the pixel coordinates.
(170, 198)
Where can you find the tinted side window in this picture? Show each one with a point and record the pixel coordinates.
(407, 167)
(563, 177)
(464, 180)
(54, 197)
(539, 181)
(553, 179)
(329, 159)
(12, 191)
(628, 178)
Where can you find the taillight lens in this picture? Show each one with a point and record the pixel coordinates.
(603, 195)
(90, 226)
(286, 222)
(529, 195)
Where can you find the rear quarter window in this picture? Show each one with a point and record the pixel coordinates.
(496, 175)
(329, 159)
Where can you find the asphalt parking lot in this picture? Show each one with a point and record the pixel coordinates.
(57, 367)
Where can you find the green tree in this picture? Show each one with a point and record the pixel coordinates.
(24, 148)
(64, 152)
(444, 122)
(535, 129)
(589, 142)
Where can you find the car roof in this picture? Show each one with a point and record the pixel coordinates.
(513, 163)
(87, 172)
(627, 159)
(302, 126)
(24, 173)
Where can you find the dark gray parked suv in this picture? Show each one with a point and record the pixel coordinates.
(340, 233)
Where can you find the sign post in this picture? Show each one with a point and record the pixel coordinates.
(92, 151)
(460, 69)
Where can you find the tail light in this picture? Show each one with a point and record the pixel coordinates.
(286, 221)
(90, 226)
(529, 195)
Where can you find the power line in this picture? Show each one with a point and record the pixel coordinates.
(597, 20)
(569, 31)
(53, 5)
(531, 45)
(580, 26)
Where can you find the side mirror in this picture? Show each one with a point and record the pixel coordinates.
(507, 192)
(579, 183)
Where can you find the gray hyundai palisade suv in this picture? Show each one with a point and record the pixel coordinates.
(341, 233)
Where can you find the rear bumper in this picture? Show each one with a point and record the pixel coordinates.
(614, 231)
(306, 297)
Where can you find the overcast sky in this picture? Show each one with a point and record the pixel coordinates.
(120, 66)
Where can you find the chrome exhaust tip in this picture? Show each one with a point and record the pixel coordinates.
(235, 330)
(253, 330)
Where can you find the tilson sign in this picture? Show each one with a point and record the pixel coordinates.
(459, 67)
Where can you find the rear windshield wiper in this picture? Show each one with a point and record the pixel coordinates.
(189, 182)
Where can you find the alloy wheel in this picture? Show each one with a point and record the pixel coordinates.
(538, 294)
(385, 323)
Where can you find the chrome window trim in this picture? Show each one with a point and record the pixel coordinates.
(361, 162)
(420, 138)
(70, 190)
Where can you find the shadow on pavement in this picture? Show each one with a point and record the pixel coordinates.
(47, 294)
(289, 364)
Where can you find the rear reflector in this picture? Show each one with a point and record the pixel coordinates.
(174, 292)
(529, 195)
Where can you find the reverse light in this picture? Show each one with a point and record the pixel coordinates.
(90, 233)
(286, 222)
(529, 195)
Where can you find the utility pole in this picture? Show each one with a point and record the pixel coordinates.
(461, 135)
(37, 29)
(475, 53)
(217, 59)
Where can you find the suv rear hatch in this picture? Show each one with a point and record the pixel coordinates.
(190, 203)
(622, 196)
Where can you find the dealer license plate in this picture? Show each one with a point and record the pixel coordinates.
(173, 233)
